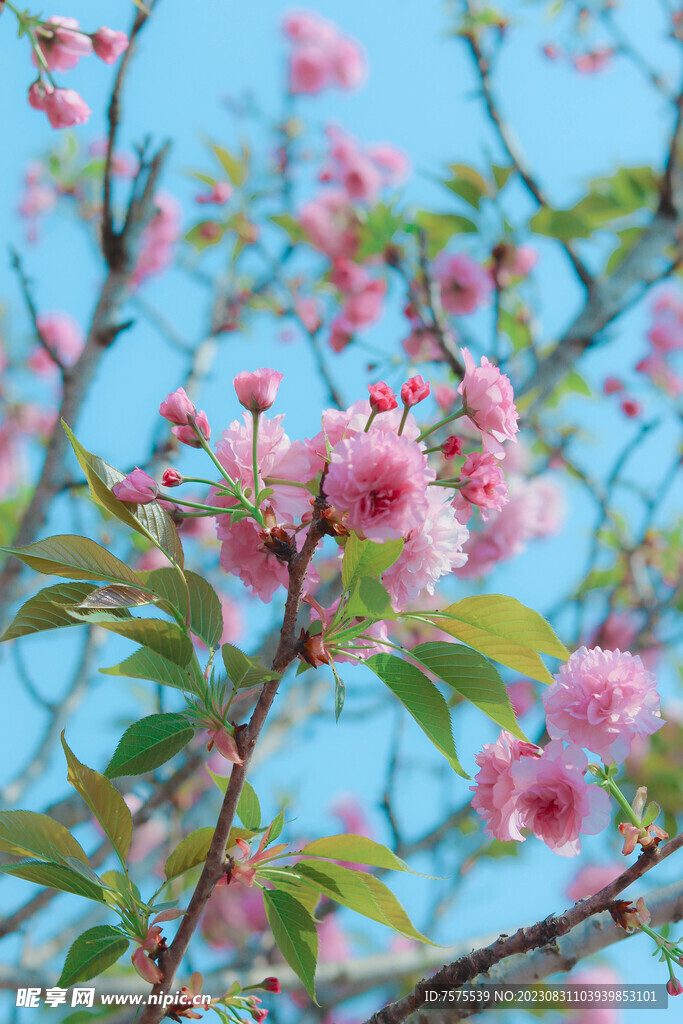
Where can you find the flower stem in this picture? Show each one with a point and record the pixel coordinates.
(256, 416)
(441, 423)
(404, 417)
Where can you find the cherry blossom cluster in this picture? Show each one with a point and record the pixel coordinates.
(321, 56)
(601, 701)
(58, 45)
(380, 475)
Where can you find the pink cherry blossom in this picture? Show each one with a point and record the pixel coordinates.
(594, 1014)
(660, 373)
(602, 700)
(612, 385)
(522, 696)
(309, 314)
(534, 509)
(363, 307)
(464, 284)
(309, 70)
(445, 396)
(243, 554)
(256, 391)
(331, 224)
(188, 435)
(483, 484)
(382, 398)
(347, 63)
(338, 424)
(232, 915)
(554, 800)
(64, 336)
(62, 43)
(393, 164)
(138, 487)
(414, 390)
(489, 403)
(594, 61)
(159, 238)
(219, 193)
(109, 44)
(630, 408)
(379, 480)
(64, 108)
(422, 347)
(495, 797)
(431, 551)
(178, 408)
(341, 335)
(591, 878)
(277, 457)
(348, 276)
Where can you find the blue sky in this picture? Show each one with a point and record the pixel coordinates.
(421, 97)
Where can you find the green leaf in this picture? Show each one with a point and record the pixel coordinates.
(360, 892)
(358, 849)
(242, 670)
(468, 184)
(295, 934)
(115, 596)
(145, 664)
(55, 876)
(501, 175)
(377, 231)
(290, 226)
(369, 600)
(206, 615)
(339, 696)
(473, 677)
(105, 802)
(276, 826)
(189, 852)
(48, 609)
(249, 808)
(146, 744)
(91, 954)
(76, 558)
(627, 239)
(562, 224)
(503, 629)
(422, 700)
(285, 879)
(440, 228)
(28, 834)
(151, 520)
(234, 167)
(366, 558)
(164, 638)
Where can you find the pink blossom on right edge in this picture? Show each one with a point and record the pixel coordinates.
(603, 700)
(489, 403)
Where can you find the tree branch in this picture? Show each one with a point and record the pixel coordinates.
(538, 935)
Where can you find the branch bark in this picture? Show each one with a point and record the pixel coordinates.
(541, 934)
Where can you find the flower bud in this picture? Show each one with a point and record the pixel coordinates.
(271, 985)
(414, 390)
(674, 987)
(177, 408)
(188, 435)
(172, 478)
(145, 967)
(382, 398)
(452, 447)
(256, 391)
(138, 487)
(109, 44)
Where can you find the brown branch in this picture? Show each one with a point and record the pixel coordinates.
(103, 330)
(215, 865)
(511, 146)
(25, 286)
(525, 939)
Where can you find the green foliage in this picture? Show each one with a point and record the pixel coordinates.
(150, 520)
(151, 742)
(235, 167)
(473, 677)
(146, 664)
(377, 230)
(56, 876)
(422, 700)
(249, 808)
(48, 609)
(365, 558)
(467, 183)
(360, 892)
(356, 849)
(105, 802)
(441, 227)
(189, 852)
(92, 952)
(503, 629)
(76, 558)
(244, 671)
(295, 933)
(291, 227)
(206, 615)
(368, 600)
(28, 834)
(164, 638)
